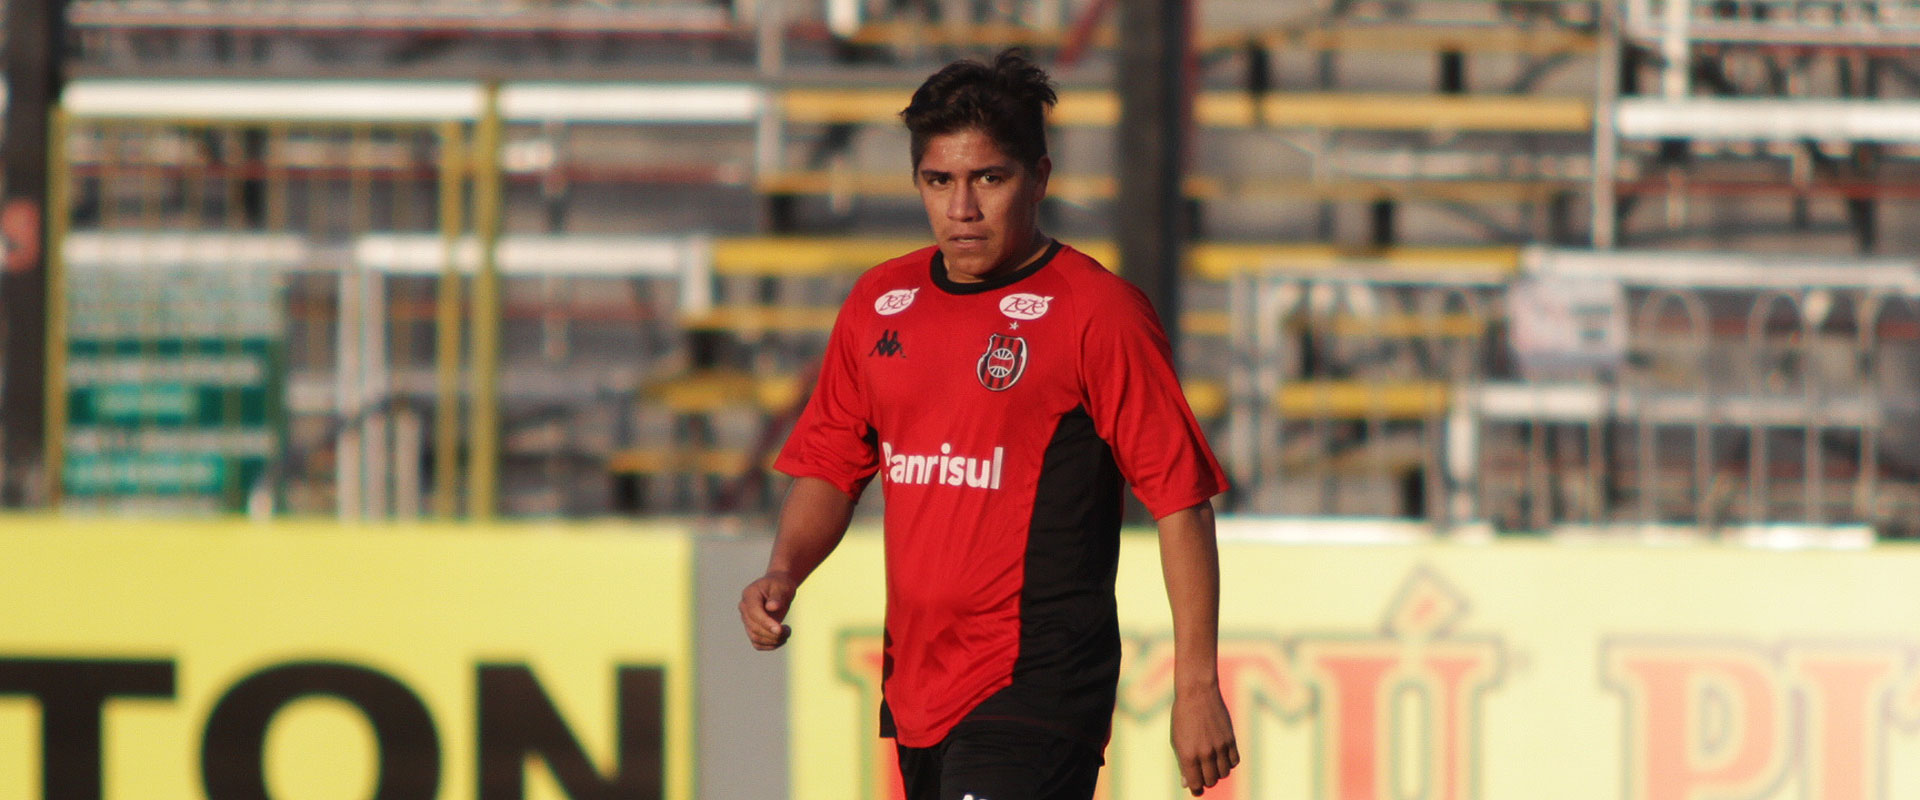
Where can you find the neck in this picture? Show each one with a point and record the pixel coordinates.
(1037, 245)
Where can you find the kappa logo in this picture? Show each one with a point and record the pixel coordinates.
(889, 345)
(1003, 363)
(1024, 306)
(894, 302)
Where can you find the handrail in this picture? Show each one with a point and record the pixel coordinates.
(1084, 188)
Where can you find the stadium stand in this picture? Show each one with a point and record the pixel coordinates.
(1393, 201)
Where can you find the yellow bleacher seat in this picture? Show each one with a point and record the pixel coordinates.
(720, 462)
(1233, 109)
(707, 391)
(797, 256)
(1356, 400)
(746, 319)
(794, 256)
(1208, 399)
(1387, 37)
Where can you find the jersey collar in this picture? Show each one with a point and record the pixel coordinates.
(938, 265)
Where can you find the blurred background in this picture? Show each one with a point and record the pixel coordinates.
(1438, 271)
(1528, 262)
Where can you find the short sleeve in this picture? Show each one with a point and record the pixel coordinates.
(834, 438)
(1134, 396)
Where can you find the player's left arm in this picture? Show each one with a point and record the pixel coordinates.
(1203, 740)
(1134, 397)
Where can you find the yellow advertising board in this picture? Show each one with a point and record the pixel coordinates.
(1496, 671)
(172, 660)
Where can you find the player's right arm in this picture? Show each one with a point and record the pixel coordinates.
(812, 521)
(832, 453)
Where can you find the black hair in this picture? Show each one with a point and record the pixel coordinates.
(1007, 100)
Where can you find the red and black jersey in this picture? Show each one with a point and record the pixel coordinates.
(1002, 417)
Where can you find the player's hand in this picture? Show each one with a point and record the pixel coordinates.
(763, 605)
(1203, 739)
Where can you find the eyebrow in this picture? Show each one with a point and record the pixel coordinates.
(940, 173)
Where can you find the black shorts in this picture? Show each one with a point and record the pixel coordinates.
(1000, 761)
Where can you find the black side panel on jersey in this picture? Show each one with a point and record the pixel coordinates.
(1069, 659)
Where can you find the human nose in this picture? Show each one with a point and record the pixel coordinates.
(962, 204)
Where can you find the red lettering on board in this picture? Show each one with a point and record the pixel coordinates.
(1710, 719)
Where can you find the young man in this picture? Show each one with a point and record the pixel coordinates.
(1003, 385)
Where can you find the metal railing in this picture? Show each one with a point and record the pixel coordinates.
(130, 184)
(598, 17)
(1340, 386)
(1864, 23)
(410, 306)
(1717, 392)
(1355, 386)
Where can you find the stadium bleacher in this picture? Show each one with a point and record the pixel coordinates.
(418, 367)
(1367, 177)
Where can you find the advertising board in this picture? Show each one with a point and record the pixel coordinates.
(196, 659)
(1504, 671)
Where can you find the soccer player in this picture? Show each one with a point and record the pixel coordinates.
(1003, 385)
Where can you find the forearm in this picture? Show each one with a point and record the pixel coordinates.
(812, 521)
(1190, 563)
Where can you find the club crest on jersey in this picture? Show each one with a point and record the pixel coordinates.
(894, 302)
(1024, 306)
(1003, 363)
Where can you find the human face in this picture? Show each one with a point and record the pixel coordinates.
(982, 204)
